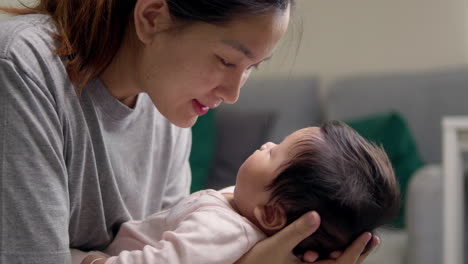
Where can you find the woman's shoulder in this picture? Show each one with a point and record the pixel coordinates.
(27, 42)
(18, 34)
(27, 46)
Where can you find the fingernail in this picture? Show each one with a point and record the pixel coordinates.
(311, 217)
(377, 240)
(335, 255)
(368, 237)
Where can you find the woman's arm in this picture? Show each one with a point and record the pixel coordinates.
(34, 186)
(278, 248)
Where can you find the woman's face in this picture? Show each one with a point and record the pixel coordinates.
(186, 72)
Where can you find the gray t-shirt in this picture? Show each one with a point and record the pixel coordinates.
(73, 168)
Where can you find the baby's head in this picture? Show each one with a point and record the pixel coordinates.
(329, 169)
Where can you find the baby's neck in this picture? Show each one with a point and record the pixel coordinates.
(230, 198)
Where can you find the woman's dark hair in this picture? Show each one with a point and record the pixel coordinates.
(90, 32)
(347, 180)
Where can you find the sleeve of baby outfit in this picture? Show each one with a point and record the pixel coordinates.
(205, 236)
(34, 202)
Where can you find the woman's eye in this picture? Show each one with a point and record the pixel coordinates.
(226, 63)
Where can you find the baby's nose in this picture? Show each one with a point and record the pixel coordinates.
(267, 145)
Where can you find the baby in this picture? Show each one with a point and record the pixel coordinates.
(329, 169)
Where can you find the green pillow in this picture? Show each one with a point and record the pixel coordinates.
(202, 154)
(392, 132)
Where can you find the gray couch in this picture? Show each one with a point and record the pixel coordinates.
(422, 98)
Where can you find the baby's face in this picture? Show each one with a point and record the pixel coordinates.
(260, 169)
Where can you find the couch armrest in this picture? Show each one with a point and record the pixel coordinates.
(424, 216)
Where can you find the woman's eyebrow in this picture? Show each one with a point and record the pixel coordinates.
(240, 47)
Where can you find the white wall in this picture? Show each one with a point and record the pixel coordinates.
(4, 3)
(13, 3)
(361, 36)
(465, 7)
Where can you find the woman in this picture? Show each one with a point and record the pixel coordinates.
(83, 147)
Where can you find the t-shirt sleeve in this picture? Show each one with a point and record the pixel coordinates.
(205, 236)
(34, 194)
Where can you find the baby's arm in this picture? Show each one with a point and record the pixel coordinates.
(208, 235)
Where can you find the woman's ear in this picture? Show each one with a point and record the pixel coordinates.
(150, 17)
(271, 217)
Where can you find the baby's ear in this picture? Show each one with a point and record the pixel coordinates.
(271, 217)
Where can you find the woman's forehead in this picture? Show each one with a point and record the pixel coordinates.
(257, 34)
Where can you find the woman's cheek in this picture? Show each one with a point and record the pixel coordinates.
(211, 73)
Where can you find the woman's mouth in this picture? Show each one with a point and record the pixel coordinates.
(199, 108)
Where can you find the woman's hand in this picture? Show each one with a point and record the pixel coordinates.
(354, 254)
(94, 259)
(277, 249)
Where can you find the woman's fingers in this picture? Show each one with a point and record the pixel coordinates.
(335, 254)
(372, 245)
(310, 257)
(277, 249)
(352, 255)
(297, 231)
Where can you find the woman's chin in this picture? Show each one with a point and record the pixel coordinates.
(184, 123)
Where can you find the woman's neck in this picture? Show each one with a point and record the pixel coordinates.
(118, 77)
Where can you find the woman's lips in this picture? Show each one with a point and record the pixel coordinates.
(199, 108)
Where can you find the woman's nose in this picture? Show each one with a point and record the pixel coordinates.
(230, 91)
(231, 94)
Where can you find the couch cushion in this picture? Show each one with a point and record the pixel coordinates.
(422, 98)
(202, 153)
(295, 102)
(239, 134)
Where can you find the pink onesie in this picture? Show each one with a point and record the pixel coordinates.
(203, 228)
